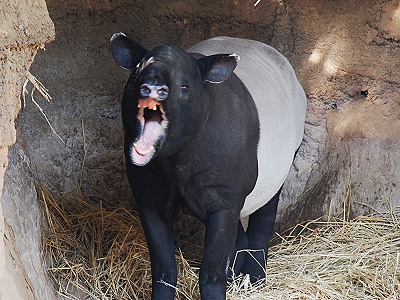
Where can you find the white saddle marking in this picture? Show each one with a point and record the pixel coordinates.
(281, 104)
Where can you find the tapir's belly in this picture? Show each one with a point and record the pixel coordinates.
(281, 105)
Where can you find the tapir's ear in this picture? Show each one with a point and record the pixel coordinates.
(217, 68)
(126, 52)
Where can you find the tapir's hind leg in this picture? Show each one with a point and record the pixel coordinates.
(259, 232)
(239, 255)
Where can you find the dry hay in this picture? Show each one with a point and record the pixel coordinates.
(356, 259)
(99, 252)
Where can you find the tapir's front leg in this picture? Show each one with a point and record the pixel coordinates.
(156, 211)
(218, 251)
(160, 240)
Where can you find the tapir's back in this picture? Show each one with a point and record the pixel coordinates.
(281, 104)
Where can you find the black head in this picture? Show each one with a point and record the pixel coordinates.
(163, 106)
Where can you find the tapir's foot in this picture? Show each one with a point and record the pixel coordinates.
(259, 232)
(254, 264)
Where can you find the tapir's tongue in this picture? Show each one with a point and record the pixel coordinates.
(145, 146)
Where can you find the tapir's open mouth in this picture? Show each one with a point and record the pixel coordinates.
(153, 122)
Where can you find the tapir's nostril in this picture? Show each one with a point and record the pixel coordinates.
(162, 92)
(144, 91)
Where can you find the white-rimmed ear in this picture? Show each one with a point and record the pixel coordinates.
(217, 68)
(126, 52)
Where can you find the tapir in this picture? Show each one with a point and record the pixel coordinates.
(211, 131)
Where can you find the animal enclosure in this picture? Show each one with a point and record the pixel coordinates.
(345, 55)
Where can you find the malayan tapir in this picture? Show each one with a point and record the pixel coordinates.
(212, 135)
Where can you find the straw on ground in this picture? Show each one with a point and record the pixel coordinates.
(99, 252)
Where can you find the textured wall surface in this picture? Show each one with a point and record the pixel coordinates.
(24, 26)
(22, 215)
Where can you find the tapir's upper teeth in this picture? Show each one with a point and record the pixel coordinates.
(154, 107)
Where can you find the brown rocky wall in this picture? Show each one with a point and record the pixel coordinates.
(24, 27)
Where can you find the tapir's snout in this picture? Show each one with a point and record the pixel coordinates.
(153, 80)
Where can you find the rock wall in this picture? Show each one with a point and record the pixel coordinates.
(24, 27)
(348, 66)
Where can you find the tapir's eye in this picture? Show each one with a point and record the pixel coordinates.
(184, 88)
